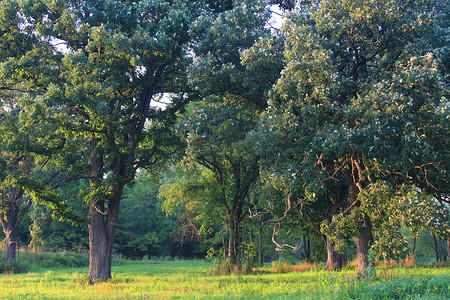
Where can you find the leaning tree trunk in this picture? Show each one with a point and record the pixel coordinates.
(363, 243)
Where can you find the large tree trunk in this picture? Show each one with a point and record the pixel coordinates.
(102, 224)
(233, 240)
(11, 223)
(98, 244)
(335, 260)
(363, 243)
(10, 230)
(362, 253)
(234, 220)
(102, 231)
(11, 246)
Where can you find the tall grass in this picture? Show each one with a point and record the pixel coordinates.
(27, 261)
(193, 279)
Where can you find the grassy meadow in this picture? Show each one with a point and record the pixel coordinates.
(193, 279)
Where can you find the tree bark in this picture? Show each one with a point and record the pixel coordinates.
(260, 257)
(307, 247)
(233, 240)
(335, 260)
(11, 223)
(414, 247)
(101, 223)
(448, 248)
(102, 230)
(11, 229)
(97, 244)
(362, 253)
(363, 243)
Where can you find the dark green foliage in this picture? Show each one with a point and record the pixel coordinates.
(219, 67)
(361, 102)
(121, 56)
(58, 235)
(58, 259)
(346, 110)
(145, 230)
(222, 163)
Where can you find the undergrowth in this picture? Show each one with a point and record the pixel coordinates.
(31, 261)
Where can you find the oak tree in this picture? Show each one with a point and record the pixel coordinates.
(363, 99)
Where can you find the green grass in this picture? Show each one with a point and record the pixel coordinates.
(193, 280)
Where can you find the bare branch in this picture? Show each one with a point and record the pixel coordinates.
(278, 246)
(351, 207)
(289, 204)
(257, 214)
(20, 90)
(125, 227)
(98, 210)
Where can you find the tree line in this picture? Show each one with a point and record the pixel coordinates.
(336, 125)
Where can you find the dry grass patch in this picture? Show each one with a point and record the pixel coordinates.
(285, 267)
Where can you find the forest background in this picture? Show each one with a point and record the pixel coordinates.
(329, 137)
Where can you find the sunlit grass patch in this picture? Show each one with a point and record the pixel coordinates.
(423, 287)
(285, 267)
(193, 279)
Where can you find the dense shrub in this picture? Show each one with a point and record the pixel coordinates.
(13, 266)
